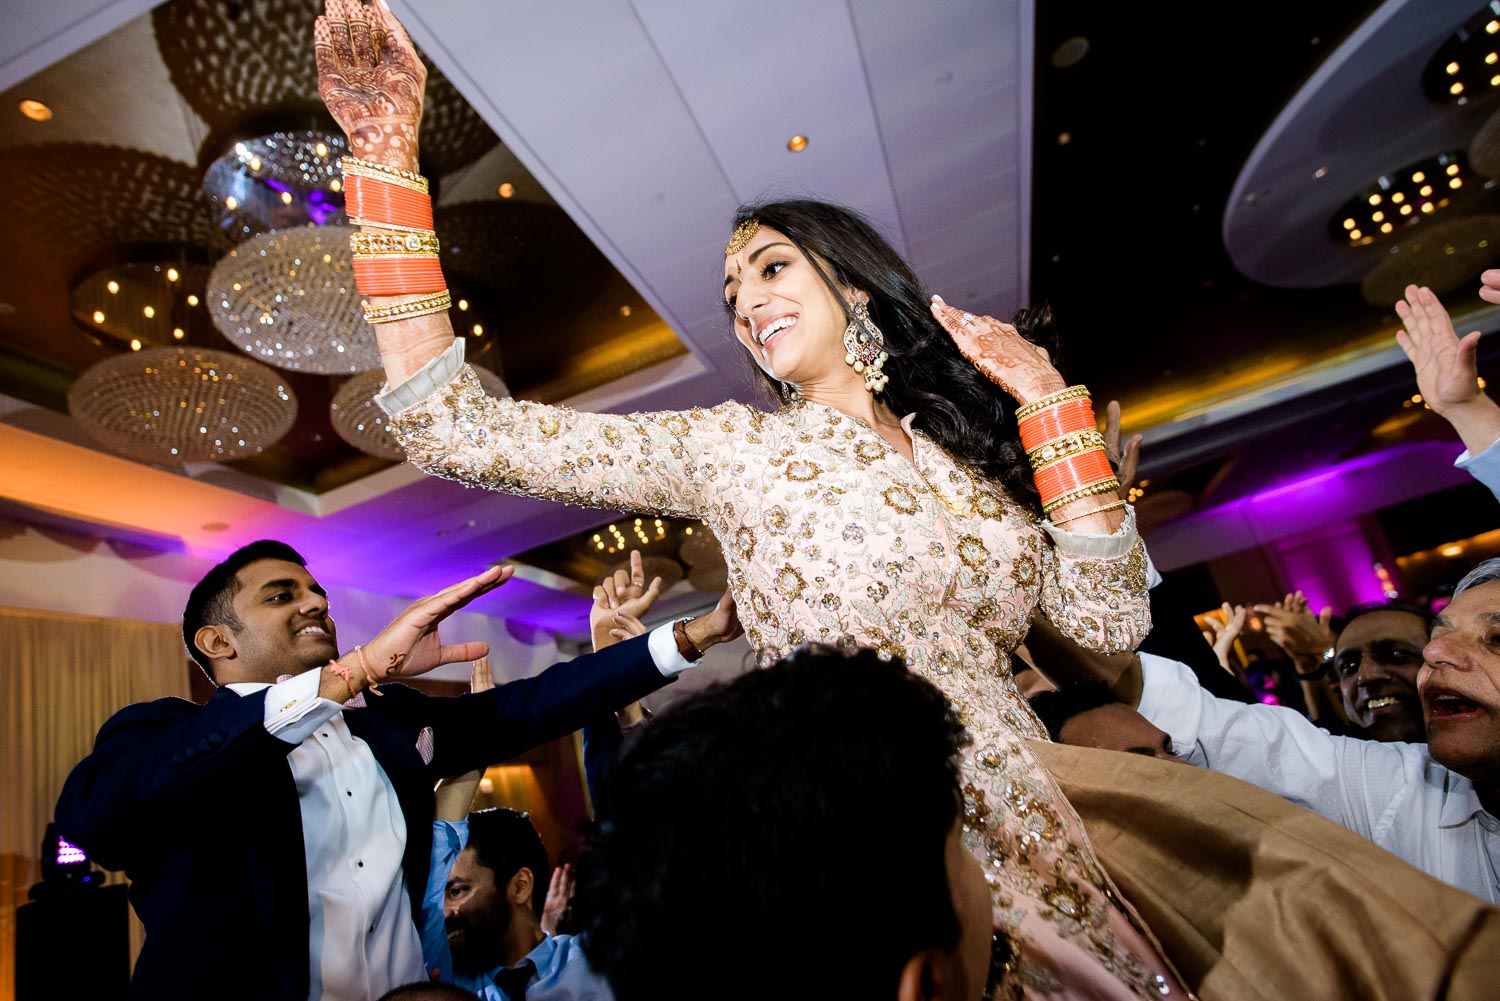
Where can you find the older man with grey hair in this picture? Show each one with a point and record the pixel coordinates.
(1434, 804)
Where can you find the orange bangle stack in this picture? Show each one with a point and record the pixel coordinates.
(1067, 453)
(386, 198)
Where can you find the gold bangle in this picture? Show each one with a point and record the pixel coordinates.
(1093, 489)
(1059, 522)
(434, 303)
(372, 224)
(1064, 447)
(380, 172)
(372, 244)
(1061, 396)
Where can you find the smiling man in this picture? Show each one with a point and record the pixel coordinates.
(1434, 804)
(277, 845)
(1376, 659)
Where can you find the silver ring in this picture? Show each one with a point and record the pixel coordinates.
(968, 319)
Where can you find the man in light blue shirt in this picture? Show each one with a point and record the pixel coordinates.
(481, 919)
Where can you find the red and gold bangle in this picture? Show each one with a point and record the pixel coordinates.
(353, 166)
(1079, 472)
(1064, 447)
(1056, 421)
(1101, 509)
(398, 274)
(1061, 396)
(384, 203)
(1108, 486)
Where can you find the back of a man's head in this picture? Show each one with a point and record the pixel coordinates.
(783, 835)
(211, 602)
(505, 842)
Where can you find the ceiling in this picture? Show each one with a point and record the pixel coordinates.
(1114, 186)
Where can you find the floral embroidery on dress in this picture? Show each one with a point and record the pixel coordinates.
(857, 559)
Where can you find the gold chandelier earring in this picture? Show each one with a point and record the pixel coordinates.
(864, 345)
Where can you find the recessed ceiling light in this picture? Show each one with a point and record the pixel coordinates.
(1070, 53)
(797, 143)
(463, 304)
(135, 344)
(478, 330)
(625, 310)
(179, 333)
(1063, 138)
(114, 287)
(192, 300)
(98, 316)
(148, 312)
(506, 190)
(36, 111)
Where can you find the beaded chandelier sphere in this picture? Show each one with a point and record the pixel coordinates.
(288, 299)
(362, 424)
(183, 404)
(281, 180)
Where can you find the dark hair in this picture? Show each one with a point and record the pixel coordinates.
(765, 805)
(211, 602)
(956, 405)
(1056, 706)
(505, 842)
(427, 991)
(1392, 605)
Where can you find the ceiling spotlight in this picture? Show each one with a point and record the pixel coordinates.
(1492, 27)
(463, 305)
(478, 330)
(1377, 216)
(797, 143)
(335, 185)
(36, 111)
(1386, 227)
(192, 300)
(625, 310)
(1390, 201)
(1452, 68)
(98, 316)
(1398, 198)
(1418, 177)
(114, 288)
(1349, 224)
(231, 203)
(1427, 207)
(1063, 138)
(321, 149)
(286, 198)
(1457, 88)
(135, 344)
(506, 190)
(1452, 169)
(1355, 234)
(1406, 210)
(1425, 190)
(172, 274)
(179, 333)
(1375, 199)
(1455, 182)
(148, 312)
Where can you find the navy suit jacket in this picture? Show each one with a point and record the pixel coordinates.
(197, 804)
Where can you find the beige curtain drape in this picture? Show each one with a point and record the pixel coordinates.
(61, 677)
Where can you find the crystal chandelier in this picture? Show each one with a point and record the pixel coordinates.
(362, 424)
(281, 180)
(145, 304)
(288, 299)
(183, 404)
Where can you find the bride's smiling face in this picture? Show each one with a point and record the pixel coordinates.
(785, 315)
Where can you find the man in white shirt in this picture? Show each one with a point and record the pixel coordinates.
(1434, 805)
(277, 844)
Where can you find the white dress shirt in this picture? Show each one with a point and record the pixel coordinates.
(363, 940)
(1393, 794)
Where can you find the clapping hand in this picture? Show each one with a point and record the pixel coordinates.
(559, 893)
(1291, 625)
(621, 600)
(1223, 630)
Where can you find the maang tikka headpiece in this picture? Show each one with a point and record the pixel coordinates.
(743, 234)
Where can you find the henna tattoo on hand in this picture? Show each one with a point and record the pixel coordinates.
(371, 79)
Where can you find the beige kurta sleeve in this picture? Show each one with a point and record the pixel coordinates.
(670, 462)
(1094, 587)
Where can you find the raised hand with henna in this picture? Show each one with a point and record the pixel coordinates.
(371, 79)
(1447, 368)
(410, 644)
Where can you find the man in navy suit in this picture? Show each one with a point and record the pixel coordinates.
(278, 844)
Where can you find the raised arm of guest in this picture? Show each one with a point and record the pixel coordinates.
(1308, 641)
(1447, 372)
(156, 762)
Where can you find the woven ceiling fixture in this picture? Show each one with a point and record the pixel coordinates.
(183, 404)
(362, 424)
(288, 299)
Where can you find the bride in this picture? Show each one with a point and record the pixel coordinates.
(889, 502)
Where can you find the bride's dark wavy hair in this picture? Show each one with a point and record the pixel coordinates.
(956, 405)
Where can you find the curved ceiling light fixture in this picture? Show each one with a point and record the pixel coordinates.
(280, 180)
(1401, 199)
(362, 424)
(1467, 65)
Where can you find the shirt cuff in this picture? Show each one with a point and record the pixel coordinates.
(424, 381)
(1168, 692)
(663, 647)
(1094, 547)
(449, 836)
(294, 709)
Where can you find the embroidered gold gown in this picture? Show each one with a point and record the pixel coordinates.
(832, 536)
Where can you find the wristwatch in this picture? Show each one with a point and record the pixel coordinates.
(685, 645)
